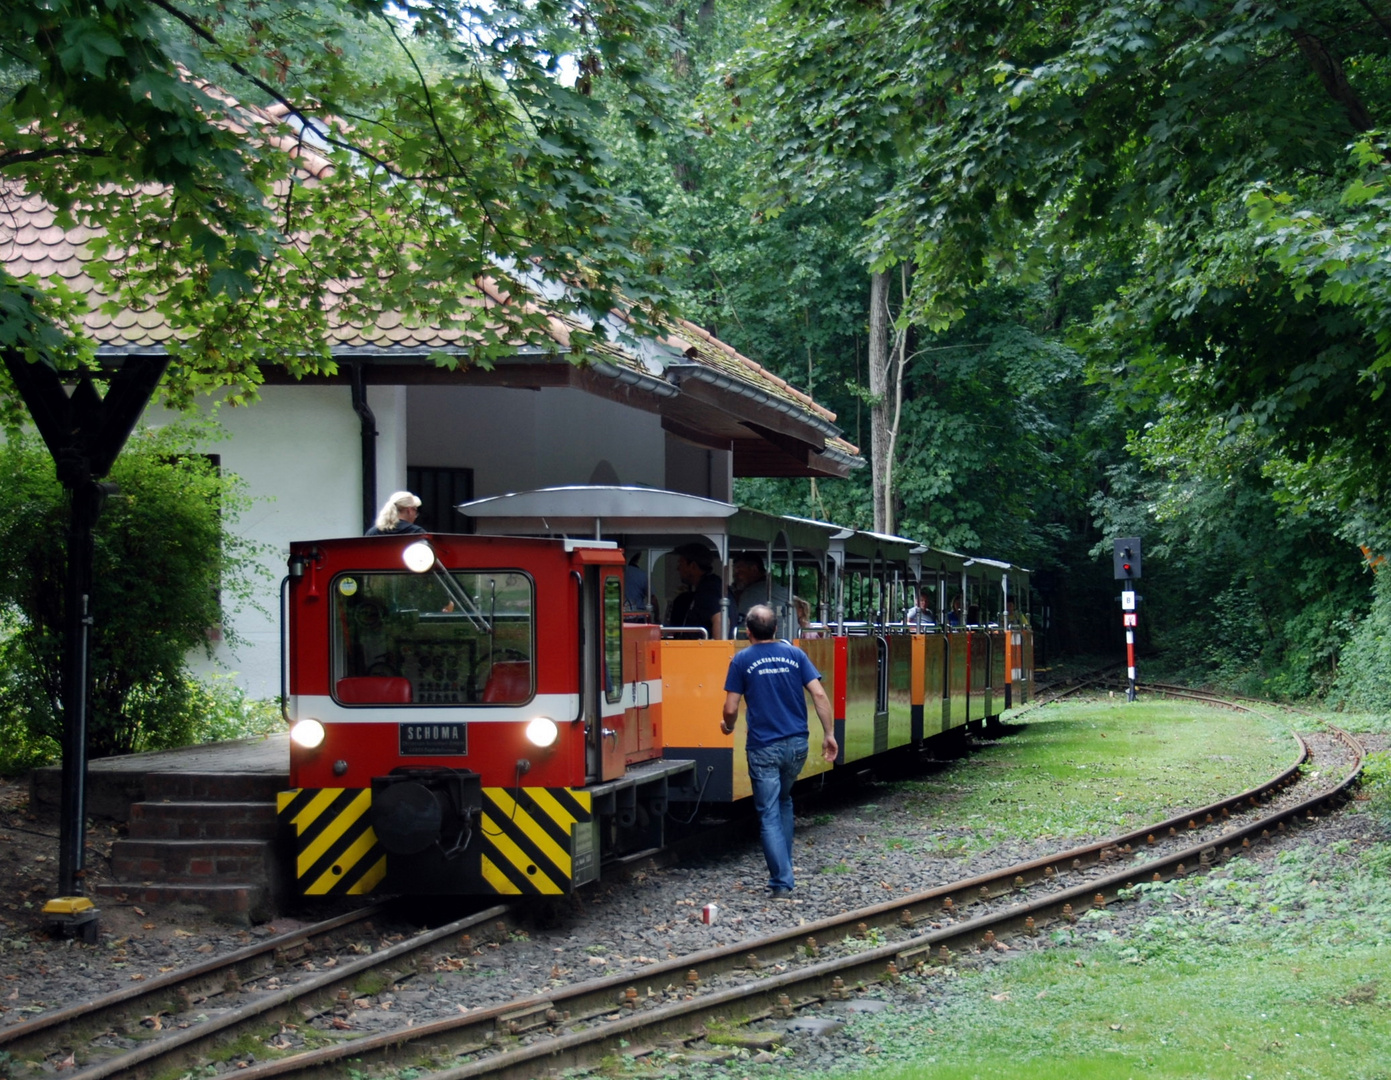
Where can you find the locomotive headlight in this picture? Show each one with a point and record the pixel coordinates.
(542, 731)
(307, 733)
(419, 557)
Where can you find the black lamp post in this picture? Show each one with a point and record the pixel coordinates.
(84, 431)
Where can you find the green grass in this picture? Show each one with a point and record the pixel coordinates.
(1297, 986)
(1100, 769)
(1264, 970)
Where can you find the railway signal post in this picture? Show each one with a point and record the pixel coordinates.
(1126, 564)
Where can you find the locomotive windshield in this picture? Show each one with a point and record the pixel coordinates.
(415, 639)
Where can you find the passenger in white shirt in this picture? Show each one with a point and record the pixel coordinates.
(920, 616)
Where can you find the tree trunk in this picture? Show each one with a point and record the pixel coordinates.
(881, 403)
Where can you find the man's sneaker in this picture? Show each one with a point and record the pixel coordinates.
(780, 894)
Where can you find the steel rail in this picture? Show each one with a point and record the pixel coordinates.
(1082, 682)
(275, 1005)
(1239, 701)
(173, 993)
(167, 992)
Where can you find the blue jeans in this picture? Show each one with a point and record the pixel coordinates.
(772, 769)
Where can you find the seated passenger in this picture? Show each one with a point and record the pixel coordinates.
(752, 586)
(634, 584)
(920, 616)
(699, 605)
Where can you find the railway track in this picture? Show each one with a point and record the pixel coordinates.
(1188, 693)
(182, 993)
(784, 974)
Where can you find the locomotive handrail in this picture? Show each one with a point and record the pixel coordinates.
(284, 650)
(697, 632)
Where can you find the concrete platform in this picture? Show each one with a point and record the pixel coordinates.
(114, 783)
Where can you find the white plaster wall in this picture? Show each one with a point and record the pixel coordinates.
(297, 451)
(388, 405)
(516, 440)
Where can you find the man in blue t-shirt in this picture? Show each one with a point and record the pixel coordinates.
(770, 676)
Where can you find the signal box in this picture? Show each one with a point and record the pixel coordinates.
(1126, 560)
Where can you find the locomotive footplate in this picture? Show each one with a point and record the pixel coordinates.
(652, 778)
(630, 812)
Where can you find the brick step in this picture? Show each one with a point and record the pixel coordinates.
(193, 862)
(238, 904)
(213, 786)
(202, 821)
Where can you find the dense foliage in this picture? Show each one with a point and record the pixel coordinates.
(165, 571)
(447, 132)
(1194, 191)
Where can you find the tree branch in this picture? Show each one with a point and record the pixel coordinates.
(275, 95)
(1380, 19)
(1330, 72)
(20, 157)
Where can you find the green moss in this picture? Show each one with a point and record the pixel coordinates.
(370, 984)
(242, 1046)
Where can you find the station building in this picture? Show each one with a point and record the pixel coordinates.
(679, 410)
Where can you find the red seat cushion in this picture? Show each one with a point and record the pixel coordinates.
(508, 681)
(375, 690)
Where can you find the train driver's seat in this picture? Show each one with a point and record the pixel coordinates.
(509, 682)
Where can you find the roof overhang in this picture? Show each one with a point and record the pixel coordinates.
(765, 435)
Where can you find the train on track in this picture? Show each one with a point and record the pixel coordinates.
(504, 712)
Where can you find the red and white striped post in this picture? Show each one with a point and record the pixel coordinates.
(1128, 616)
(1127, 569)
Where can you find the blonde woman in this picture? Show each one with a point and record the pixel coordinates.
(397, 516)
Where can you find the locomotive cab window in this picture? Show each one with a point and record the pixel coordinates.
(459, 638)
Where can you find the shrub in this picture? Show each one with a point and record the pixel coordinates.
(164, 568)
(1364, 669)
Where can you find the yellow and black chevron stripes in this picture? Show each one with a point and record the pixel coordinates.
(335, 850)
(527, 837)
(522, 845)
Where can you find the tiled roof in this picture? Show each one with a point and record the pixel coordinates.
(31, 242)
(702, 346)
